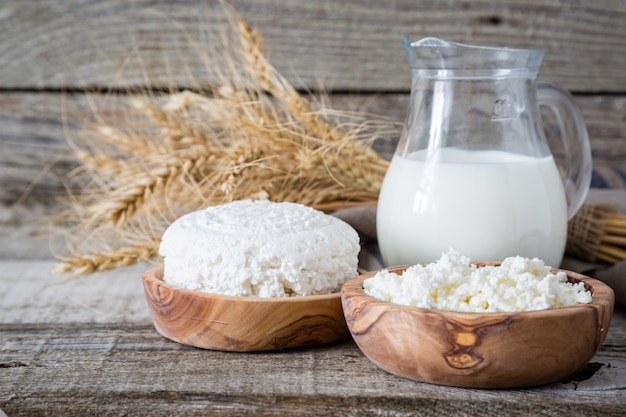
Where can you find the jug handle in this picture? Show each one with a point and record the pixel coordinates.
(574, 162)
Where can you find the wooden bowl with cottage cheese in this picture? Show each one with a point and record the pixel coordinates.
(253, 275)
(478, 350)
(242, 324)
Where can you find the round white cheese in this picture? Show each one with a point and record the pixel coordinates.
(259, 248)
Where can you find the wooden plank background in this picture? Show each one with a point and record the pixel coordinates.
(52, 53)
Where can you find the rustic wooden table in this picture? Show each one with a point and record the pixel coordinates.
(88, 347)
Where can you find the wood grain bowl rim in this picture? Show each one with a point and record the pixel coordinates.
(155, 275)
(232, 323)
(602, 296)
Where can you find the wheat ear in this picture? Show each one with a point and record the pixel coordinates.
(268, 78)
(116, 258)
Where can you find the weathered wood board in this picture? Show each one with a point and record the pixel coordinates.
(54, 51)
(353, 45)
(119, 368)
(88, 347)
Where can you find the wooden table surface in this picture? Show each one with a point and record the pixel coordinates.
(88, 347)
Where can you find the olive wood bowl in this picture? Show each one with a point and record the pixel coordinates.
(242, 324)
(478, 350)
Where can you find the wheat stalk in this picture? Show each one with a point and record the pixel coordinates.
(597, 232)
(254, 136)
(117, 258)
(270, 80)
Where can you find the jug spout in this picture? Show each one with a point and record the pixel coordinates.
(437, 55)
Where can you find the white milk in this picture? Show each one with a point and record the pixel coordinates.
(488, 205)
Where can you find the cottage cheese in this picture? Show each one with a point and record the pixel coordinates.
(259, 248)
(452, 283)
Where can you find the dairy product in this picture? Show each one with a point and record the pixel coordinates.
(259, 248)
(453, 283)
(487, 204)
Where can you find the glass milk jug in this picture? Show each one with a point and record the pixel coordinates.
(473, 169)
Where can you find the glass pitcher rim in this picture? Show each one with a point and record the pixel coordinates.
(443, 57)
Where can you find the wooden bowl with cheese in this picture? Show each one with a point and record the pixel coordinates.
(253, 275)
(478, 350)
(242, 324)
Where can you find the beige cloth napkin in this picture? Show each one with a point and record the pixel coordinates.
(363, 219)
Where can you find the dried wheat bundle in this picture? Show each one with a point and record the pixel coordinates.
(597, 233)
(253, 136)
